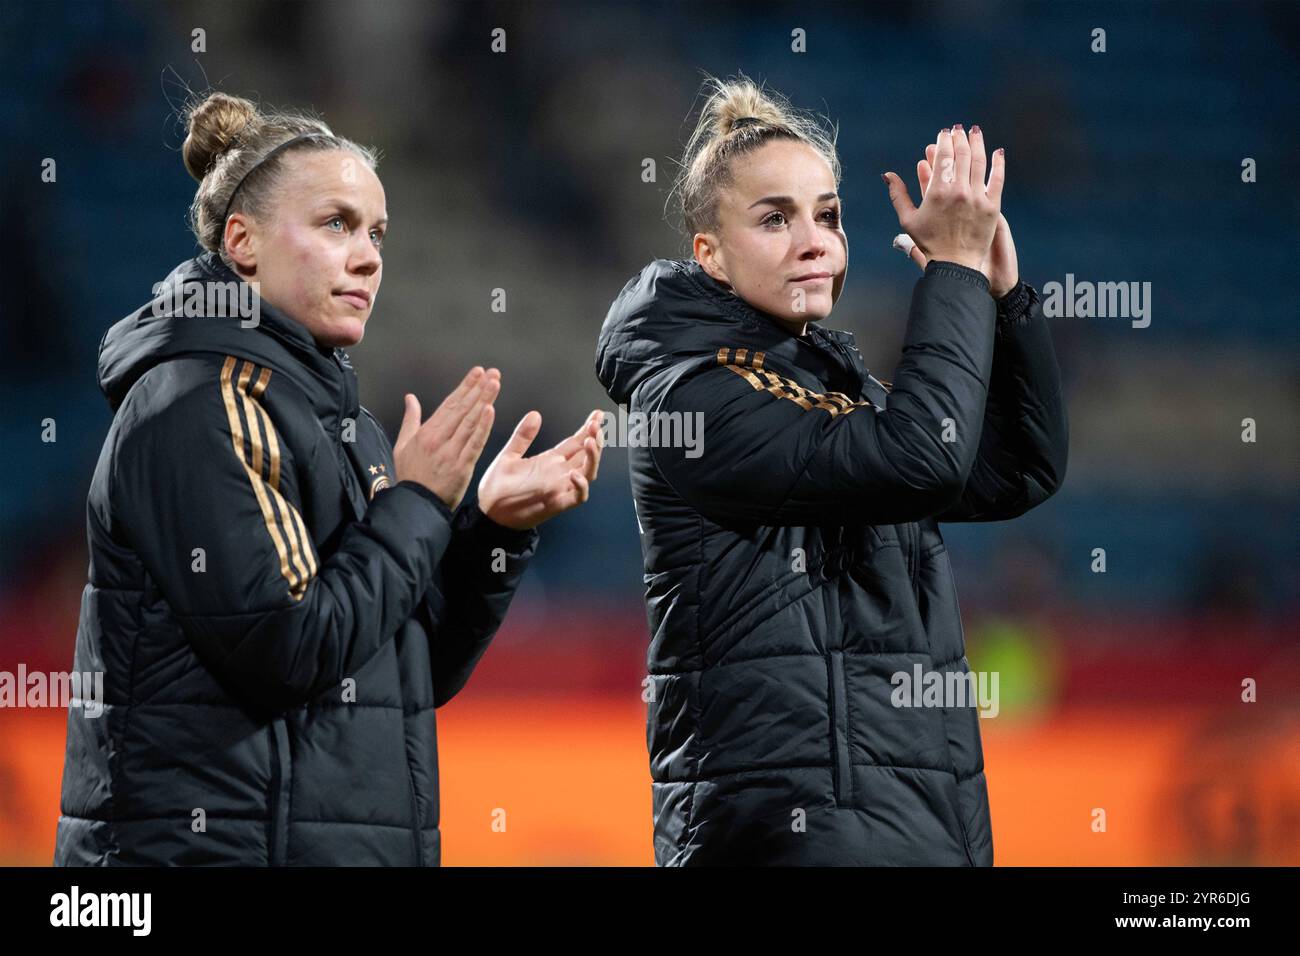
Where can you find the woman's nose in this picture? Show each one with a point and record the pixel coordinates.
(810, 239)
(366, 259)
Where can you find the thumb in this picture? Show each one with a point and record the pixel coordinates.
(410, 419)
(904, 244)
(524, 434)
(898, 196)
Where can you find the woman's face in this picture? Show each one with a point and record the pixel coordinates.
(316, 255)
(779, 244)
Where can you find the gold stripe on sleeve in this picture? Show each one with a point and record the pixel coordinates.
(295, 530)
(255, 478)
(750, 368)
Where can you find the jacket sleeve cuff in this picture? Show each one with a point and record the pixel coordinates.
(470, 517)
(958, 271)
(424, 492)
(1014, 307)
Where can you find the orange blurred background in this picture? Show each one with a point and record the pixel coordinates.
(1150, 731)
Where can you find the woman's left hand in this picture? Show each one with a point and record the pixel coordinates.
(1000, 265)
(520, 493)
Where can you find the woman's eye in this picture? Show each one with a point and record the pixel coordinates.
(831, 215)
(770, 219)
(377, 238)
(334, 219)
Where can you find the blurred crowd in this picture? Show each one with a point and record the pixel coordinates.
(523, 170)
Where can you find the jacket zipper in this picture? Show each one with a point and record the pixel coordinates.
(273, 834)
(916, 561)
(347, 480)
(914, 553)
(278, 835)
(345, 466)
(347, 399)
(852, 366)
(415, 820)
(841, 770)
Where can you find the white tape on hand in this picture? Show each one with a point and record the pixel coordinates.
(904, 244)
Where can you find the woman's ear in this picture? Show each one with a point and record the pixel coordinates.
(709, 256)
(241, 242)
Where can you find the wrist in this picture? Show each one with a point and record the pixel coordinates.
(1003, 291)
(472, 515)
(970, 262)
(1014, 306)
(975, 277)
(424, 491)
(499, 521)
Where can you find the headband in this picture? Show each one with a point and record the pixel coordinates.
(283, 146)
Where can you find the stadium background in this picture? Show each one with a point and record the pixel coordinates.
(522, 171)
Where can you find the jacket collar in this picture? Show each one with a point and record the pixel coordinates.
(831, 354)
(157, 331)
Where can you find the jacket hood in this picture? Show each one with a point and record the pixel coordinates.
(673, 311)
(198, 308)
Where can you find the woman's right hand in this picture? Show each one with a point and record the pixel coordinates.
(441, 453)
(958, 214)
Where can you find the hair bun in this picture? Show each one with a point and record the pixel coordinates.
(213, 126)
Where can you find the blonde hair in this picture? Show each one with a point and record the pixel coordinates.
(227, 137)
(706, 164)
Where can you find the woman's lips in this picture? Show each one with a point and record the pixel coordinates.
(358, 300)
(813, 278)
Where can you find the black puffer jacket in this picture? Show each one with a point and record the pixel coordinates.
(276, 619)
(795, 565)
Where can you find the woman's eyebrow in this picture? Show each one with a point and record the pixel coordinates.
(788, 201)
(351, 210)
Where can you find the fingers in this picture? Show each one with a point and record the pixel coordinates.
(461, 393)
(898, 196)
(479, 401)
(980, 164)
(961, 152)
(593, 443)
(923, 174)
(944, 159)
(917, 256)
(477, 438)
(523, 435)
(586, 459)
(997, 176)
(978, 161)
(574, 443)
(904, 244)
(581, 486)
(594, 448)
(410, 419)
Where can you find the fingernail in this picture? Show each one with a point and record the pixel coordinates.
(975, 129)
(884, 178)
(957, 127)
(1001, 152)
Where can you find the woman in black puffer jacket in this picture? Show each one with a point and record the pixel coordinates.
(797, 584)
(279, 595)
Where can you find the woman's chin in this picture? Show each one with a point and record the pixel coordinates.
(814, 313)
(342, 333)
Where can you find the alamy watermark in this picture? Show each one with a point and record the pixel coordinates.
(624, 429)
(53, 689)
(922, 688)
(133, 911)
(1101, 300)
(241, 300)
